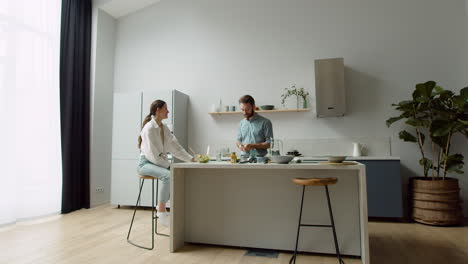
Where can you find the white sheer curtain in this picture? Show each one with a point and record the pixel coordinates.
(30, 159)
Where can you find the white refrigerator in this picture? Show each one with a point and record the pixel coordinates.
(130, 108)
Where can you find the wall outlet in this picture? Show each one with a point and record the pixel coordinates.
(100, 190)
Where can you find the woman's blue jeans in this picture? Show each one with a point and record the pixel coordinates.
(145, 167)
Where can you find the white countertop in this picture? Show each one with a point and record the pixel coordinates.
(312, 158)
(227, 165)
(354, 158)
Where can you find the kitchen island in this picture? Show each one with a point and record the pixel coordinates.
(257, 206)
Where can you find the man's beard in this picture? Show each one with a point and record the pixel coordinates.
(249, 115)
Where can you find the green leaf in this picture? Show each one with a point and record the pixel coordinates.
(423, 91)
(458, 171)
(406, 114)
(392, 120)
(440, 141)
(405, 102)
(441, 128)
(430, 85)
(439, 89)
(453, 158)
(456, 168)
(458, 127)
(415, 122)
(406, 136)
(426, 163)
(453, 163)
(465, 122)
(417, 94)
(445, 95)
(460, 102)
(404, 105)
(464, 93)
(444, 114)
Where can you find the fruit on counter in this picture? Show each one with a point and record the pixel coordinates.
(202, 158)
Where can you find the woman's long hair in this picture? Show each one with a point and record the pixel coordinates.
(153, 108)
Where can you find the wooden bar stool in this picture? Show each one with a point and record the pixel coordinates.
(154, 218)
(316, 182)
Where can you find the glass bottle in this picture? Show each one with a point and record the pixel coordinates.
(233, 157)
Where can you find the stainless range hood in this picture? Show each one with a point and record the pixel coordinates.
(329, 87)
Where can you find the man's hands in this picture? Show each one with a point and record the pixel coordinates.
(246, 147)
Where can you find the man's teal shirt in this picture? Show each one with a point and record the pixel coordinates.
(257, 130)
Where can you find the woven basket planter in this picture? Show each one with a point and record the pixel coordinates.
(436, 201)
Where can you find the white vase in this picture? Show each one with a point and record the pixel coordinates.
(357, 149)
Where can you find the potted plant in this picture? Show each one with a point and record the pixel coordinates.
(435, 115)
(298, 92)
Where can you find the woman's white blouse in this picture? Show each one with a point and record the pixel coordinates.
(153, 148)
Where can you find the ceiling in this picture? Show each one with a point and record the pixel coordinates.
(120, 8)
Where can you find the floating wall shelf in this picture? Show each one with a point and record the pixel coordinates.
(262, 111)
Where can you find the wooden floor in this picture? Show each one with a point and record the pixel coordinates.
(98, 235)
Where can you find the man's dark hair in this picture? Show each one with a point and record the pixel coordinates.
(247, 99)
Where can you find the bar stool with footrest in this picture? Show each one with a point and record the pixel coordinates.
(154, 218)
(316, 182)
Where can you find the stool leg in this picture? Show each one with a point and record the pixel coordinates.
(157, 201)
(293, 258)
(133, 218)
(152, 213)
(340, 261)
(140, 183)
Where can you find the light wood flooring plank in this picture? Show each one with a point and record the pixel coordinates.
(98, 235)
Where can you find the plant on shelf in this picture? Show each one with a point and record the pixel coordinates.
(435, 115)
(298, 92)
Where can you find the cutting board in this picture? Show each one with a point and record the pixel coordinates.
(338, 164)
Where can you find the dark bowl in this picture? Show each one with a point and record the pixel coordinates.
(267, 107)
(336, 159)
(281, 159)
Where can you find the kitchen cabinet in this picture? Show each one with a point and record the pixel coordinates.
(384, 188)
(330, 93)
(130, 108)
(384, 184)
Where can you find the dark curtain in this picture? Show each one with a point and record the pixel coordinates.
(75, 53)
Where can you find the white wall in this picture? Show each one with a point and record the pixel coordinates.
(213, 49)
(103, 42)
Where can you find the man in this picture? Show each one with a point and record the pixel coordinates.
(255, 131)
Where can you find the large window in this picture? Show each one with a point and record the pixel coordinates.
(30, 160)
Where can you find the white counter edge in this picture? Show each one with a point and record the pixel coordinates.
(354, 158)
(298, 166)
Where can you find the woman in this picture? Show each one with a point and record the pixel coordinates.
(155, 141)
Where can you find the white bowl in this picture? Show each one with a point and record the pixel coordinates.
(282, 159)
(336, 159)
